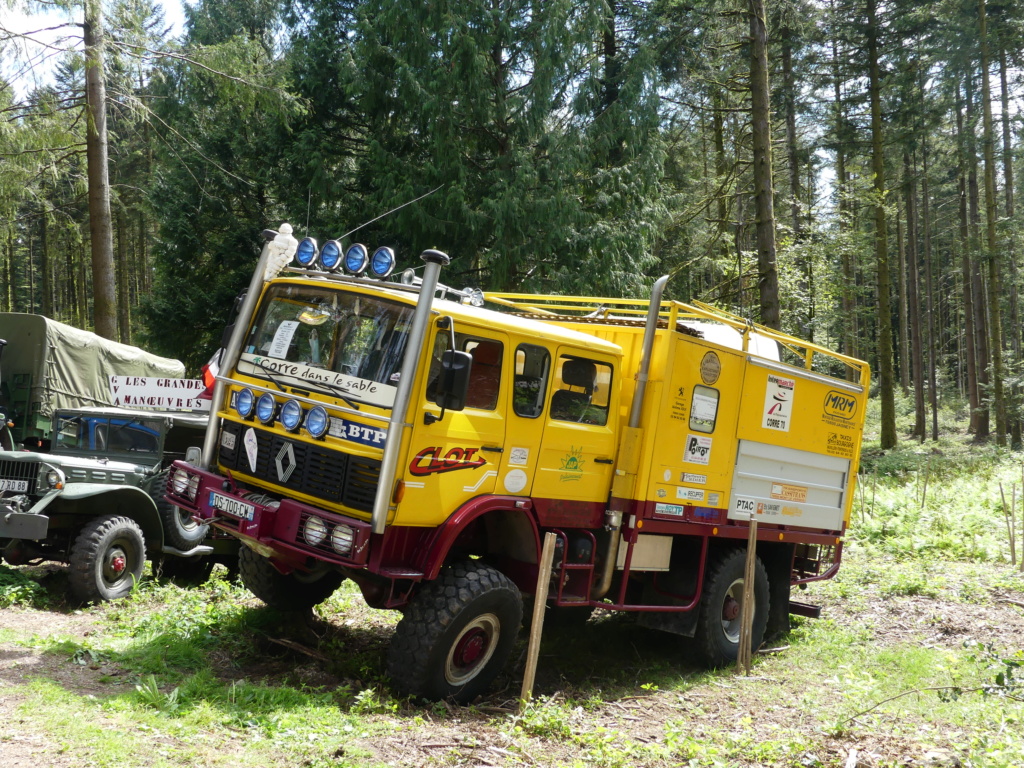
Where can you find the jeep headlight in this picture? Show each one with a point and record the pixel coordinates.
(55, 479)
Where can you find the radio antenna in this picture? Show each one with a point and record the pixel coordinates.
(388, 213)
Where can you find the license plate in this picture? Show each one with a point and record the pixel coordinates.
(14, 485)
(233, 507)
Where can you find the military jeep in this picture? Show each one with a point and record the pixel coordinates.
(92, 494)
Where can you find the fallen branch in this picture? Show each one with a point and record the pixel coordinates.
(300, 648)
(982, 688)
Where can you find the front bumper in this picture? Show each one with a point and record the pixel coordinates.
(22, 525)
(277, 529)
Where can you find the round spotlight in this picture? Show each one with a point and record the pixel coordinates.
(317, 421)
(245, 401)
(341, 539)
(314, 531)
(382, 263)
(330, 256)
(291, 415)
(408, 277)
(356, 259)
(179, 482)
(306, 253)
(265, 408)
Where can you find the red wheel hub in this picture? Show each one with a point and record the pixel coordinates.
(119, 563)
(470, 649)
(731, 609)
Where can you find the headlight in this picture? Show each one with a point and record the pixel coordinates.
(314, 531)
(356, 259)
(317, 421)
(54, 479)
(245, 401)
(193, 487)
(330, 256)
(382, 263)
(341, 539)
(291, 415)
(179, 482)
(265, 408)
(306, 253)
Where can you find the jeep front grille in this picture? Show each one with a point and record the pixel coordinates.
(20, 470)
(316, 471)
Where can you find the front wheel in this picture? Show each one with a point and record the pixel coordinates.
(456, 635)
(294, 591)
(106, 559)
(717, 638)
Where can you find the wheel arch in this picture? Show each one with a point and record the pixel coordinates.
(89, 501)
(507, 531)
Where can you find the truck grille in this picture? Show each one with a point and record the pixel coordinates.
(322, 473)
(20, 470)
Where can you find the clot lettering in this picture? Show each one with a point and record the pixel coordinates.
(429, 461)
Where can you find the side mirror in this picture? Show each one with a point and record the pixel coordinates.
(454, 380)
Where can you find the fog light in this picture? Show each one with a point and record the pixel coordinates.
(193, 487)
(245, 401)
(265, 408)
(291, 415)
(179, 482)
(317, 421)
(314, 531)
(341, 539)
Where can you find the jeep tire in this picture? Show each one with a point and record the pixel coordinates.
(107, 559)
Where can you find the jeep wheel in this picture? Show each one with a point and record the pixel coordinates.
(285, 592)
(716, 641)
(106, 559)
(456, 635)
(180, 530)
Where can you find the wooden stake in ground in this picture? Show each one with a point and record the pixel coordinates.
(743, 656)
(540, 604)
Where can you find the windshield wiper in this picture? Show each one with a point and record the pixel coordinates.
(338, 390)
(268, 370)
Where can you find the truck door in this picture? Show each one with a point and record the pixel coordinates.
(456, 456)
(574, 471)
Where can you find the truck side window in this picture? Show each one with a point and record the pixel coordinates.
(530, 382)
(485, 374)
(704, 409)
(583, 391)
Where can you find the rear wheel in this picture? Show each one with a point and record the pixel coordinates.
(717, 638)
(106, 559)
(285, 592)
(457, 634)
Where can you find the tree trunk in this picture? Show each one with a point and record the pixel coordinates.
(902, 334)
(913, 301)
(1011, 242)
(886, 378)
(991, 249)
(981, 357)
(124, 317)
(104, 303)
(761, 137)
(932, 342)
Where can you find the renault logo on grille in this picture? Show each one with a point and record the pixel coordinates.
(286, 463)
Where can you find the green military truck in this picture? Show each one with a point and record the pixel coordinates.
(92, 497)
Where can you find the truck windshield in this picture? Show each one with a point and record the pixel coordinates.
(335, 342)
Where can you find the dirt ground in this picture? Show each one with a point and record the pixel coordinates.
(762, 706)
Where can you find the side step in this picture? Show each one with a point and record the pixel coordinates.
(805, 609)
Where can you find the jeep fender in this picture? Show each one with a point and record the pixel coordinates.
(510, 530)
(88, 500)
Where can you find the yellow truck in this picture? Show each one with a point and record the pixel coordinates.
(421, 441)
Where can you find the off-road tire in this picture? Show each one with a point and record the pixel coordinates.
(456, 635)
(716, 640)
(285, 592)
(107, 559)
(180, 530)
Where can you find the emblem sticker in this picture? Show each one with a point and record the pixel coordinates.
(710, 368)
(778, 403)
(690, 494)
(429, 461)
(698, 449)
(515, 481)
(572, 464)
(251, 447)
(669, 509)
(519, 457)
(786, 492)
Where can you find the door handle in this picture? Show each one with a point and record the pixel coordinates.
(492, 448)
(604, 461)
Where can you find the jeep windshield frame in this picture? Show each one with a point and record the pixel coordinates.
(336, 342)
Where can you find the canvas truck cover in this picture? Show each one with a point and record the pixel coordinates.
(48, 365)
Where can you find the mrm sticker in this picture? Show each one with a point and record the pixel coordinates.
(430, 461)
(778, 403)
(698, 449)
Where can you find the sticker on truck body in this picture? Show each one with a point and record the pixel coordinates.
(778, 403)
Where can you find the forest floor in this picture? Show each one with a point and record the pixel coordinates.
(612, 694)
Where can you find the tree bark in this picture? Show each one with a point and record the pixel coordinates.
(761, 136)
(887, 393)
(104, 302)
(1011, 241)
(913, 299)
